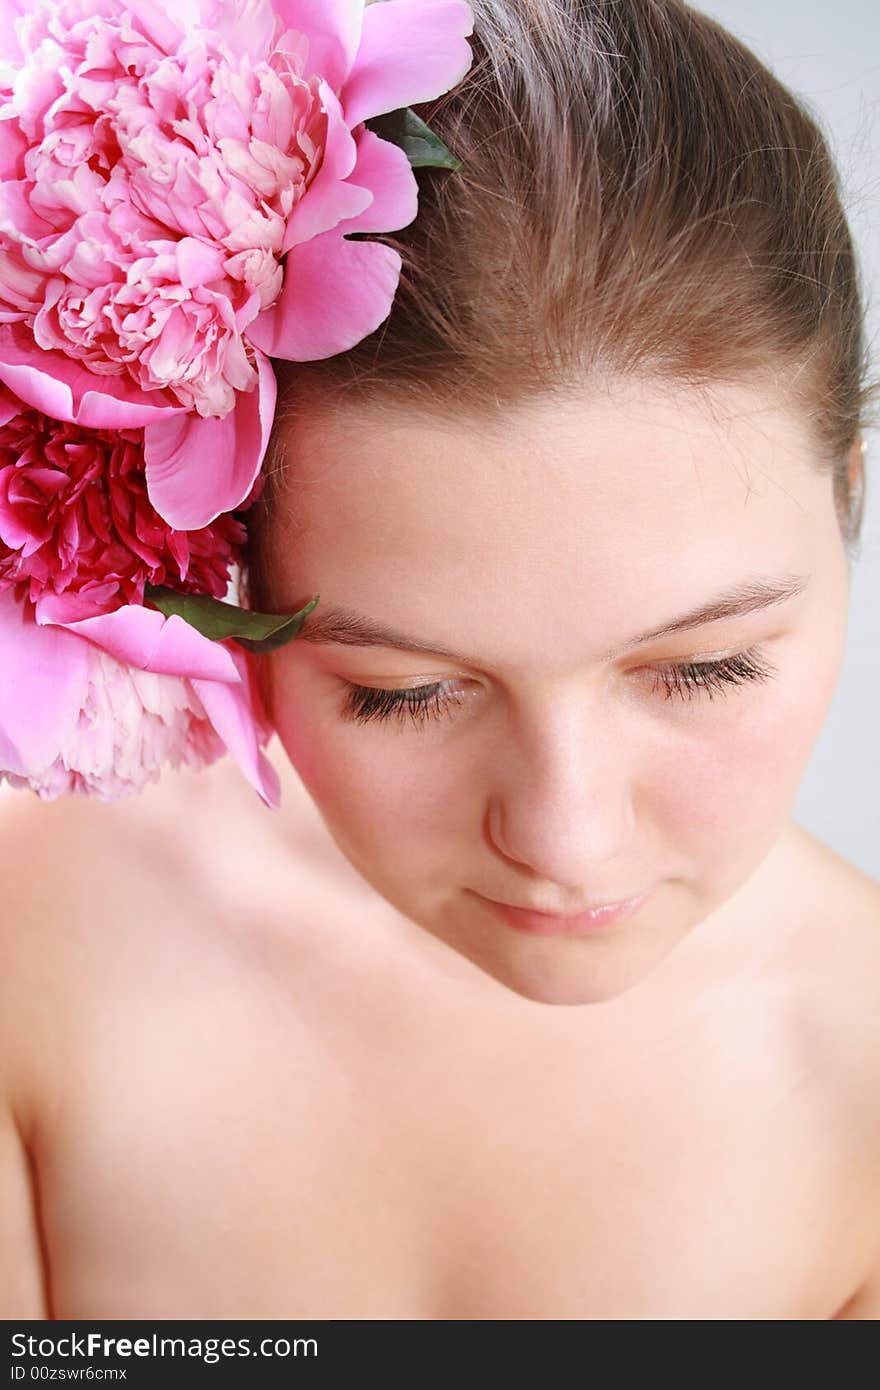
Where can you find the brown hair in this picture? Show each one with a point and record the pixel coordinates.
(638, 194)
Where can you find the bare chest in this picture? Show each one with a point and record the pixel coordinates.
(222, 1151)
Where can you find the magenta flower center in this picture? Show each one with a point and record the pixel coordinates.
(75, 516)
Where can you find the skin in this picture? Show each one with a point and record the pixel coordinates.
(534, 545)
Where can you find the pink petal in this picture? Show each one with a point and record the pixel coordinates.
(230, 709)
(410, 51)
(13, 147)
(333, 28)
(153, 21)
(10, 11)
(17, 217)
(43, 674)
(198, 263)
(199, 467)
(246, 26)
(384, 168)
(59, 386)
(73, 605)
(335, 293)
(10, 406)
(20, 288)
(328, 199)
(143, 637)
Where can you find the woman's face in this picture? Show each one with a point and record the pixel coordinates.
(562, 759)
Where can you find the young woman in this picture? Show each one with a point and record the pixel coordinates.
(581, 517)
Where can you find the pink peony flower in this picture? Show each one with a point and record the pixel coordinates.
(75, 518)
(194, 473)
(129, 726)
(177, 190)
(99, 706)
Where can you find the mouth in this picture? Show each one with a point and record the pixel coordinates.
(568, 924)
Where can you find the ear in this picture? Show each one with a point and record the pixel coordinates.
(856, 483)
(856, 465)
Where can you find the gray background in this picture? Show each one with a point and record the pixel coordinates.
(829, 55)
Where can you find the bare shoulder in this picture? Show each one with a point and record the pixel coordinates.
(113, 914)
(837, 944)
(75, 865)
(835, 949)
(101, 899)
(835, 962)
(76, 880)
(861, 889)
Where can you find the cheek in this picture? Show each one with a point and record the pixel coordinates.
(737, 778)
(373, 783)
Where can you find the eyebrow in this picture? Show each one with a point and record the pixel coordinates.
(336, 624)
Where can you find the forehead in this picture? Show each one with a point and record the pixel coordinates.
(637, 499)
(614, 452)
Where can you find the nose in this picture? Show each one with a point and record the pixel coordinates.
(562, 798)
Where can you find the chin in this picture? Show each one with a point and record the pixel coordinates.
(554, 970)
(563, 980)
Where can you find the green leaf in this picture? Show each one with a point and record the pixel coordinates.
(421, 146)
(256, 632)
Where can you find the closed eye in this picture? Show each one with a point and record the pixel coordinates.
(680, 680)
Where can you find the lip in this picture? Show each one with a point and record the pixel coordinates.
(579, 924)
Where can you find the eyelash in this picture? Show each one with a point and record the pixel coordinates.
(681, 680)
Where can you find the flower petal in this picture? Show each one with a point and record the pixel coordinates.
(234, 711)
(59, 386)
(143, 637)
(410, 51)
(333, 28)
(199, 467)
(17, 216)
(247, 27)
(10, 11)
(13, 147)
(43, 674)
(335, 293)
(10, 406)
(328, 199)
(153, 20)
(384, 168)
